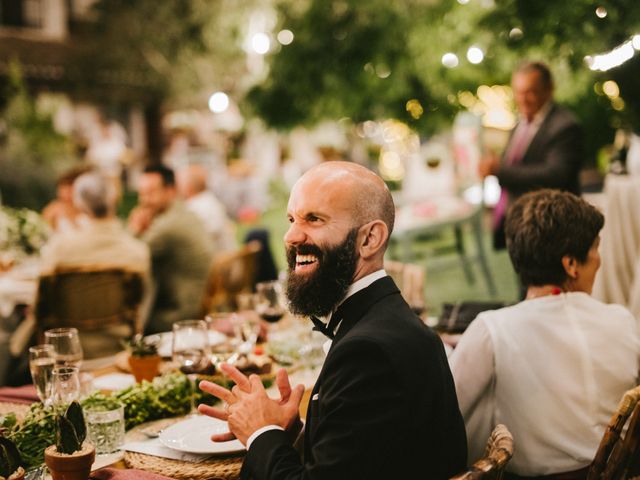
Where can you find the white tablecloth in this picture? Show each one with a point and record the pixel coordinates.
(618, 280)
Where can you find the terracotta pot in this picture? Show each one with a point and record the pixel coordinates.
(69, 467)
(145, 368)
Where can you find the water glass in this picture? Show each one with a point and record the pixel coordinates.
(41, 363)
(66, 343)
(105, 428)
(65, 383)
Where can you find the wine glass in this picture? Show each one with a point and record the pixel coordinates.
(65, 383)
(41, 363)
(228, 324)
(269, 301)
(66, 344)
(190, 350)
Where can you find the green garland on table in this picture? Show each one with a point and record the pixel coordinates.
(164, 397)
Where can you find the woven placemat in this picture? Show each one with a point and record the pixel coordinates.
(220, 468)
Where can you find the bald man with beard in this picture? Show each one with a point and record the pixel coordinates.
(384, 405)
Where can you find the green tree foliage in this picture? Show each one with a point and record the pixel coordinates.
(343, 50)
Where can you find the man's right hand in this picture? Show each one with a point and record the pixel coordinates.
(140, 219)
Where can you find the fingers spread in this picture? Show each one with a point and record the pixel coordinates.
(296, 396)
(282, 381)
(223, 437)
(217, 391)
(212, 412)
(237, 376)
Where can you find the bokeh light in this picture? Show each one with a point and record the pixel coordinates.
(285, 37)
(601, 12)
(475, 55)
(450, 60)
(260, 43)
(218, 102)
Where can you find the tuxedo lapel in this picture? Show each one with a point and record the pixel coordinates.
(352, 310)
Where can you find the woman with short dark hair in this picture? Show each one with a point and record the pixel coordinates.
(554, 366)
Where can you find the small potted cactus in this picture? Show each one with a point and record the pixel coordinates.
(10, 461)
(144, 360)
(70, 458)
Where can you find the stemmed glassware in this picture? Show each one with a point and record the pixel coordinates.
(190, 350)
(66, 344)
(269, 301)
(41, 363)
(65, 386)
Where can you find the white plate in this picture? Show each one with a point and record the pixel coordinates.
(164, 341)
(194, 436)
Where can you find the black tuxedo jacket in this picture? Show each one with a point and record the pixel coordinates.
(384, 405)
(552, 160)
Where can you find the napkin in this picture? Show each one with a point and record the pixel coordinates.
(154, 447)
(24, 394)
(130, 474)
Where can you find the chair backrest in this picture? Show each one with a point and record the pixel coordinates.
(410, 279)
(231, 273)
(618, 455)
(91, 299)
(498, 453)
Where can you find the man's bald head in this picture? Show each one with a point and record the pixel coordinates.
(363, 192)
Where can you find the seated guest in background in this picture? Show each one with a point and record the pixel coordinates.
(181, 250)
(61, 214)
(192, 187)
(384, 404)
(553, 367)
(102, 243)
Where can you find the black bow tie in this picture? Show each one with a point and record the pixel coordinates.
(328, 330)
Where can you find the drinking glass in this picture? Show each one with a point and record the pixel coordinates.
(269, 300)
(228, 324)
(190, 350)
(66, 343)
(105, 427)
(41, 363)
(65, 383)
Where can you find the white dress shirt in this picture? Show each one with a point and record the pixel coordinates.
(552, 369)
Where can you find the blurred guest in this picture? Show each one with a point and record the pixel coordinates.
(554, 366)
(108, 150)
(61, 213)
(545, 149)
(181, 250)
(103, 243)
(192, 187)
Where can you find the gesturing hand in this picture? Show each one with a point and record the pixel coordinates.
(248, 407)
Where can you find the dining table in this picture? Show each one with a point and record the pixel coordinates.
(142, 451)
(433, 216)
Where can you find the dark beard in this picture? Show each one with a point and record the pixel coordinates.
(319, 292)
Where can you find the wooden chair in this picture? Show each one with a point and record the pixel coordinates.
(498, 453)
(410, 279)
(94, 300)
(231, 273)
(618, 455)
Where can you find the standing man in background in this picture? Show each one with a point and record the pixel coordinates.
(545, 149)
